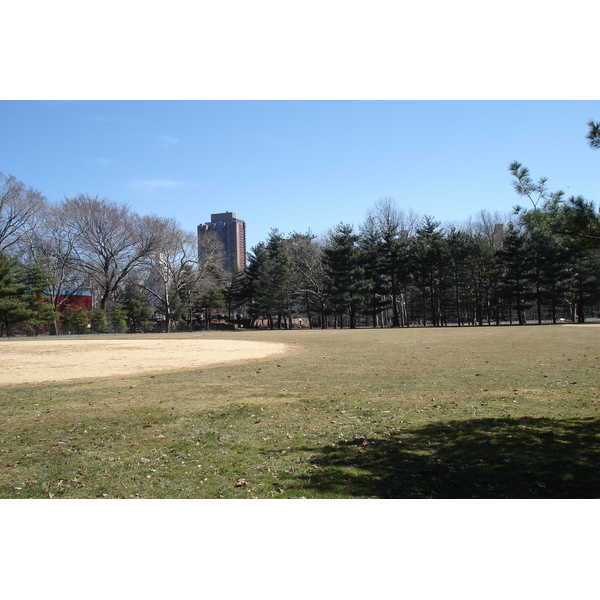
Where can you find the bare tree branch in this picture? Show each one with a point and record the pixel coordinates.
(19, 209)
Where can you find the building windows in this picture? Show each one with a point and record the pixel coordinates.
(232, 233)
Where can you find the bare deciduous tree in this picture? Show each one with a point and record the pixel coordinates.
(166, 269)
(307, 254)
(52, 246)
(491, 226)
(211, 258)
(111, 240)
(179, 269)
(19, 209)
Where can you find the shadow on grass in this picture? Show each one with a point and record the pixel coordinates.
(484, 458)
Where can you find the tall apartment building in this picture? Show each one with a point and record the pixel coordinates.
(232, 232)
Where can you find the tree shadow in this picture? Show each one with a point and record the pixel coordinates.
(483, 458)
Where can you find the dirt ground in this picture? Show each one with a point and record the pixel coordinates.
(50, 360)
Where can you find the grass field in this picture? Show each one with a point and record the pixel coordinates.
(494, 412)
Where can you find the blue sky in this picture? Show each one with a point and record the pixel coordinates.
(297, 165)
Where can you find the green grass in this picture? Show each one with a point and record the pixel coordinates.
(499, 412)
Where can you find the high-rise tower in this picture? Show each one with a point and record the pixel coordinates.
(232, 233)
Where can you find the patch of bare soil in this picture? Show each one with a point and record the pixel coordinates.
(57, 359)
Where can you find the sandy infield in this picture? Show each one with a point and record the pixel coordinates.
(57, 359)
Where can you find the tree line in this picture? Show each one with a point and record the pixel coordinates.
(140, 269)
(539, 264)
(393, 272)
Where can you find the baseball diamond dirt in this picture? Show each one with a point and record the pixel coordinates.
(46, 360)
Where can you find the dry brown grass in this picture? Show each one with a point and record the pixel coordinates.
(469, 412)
